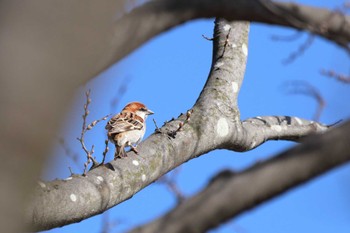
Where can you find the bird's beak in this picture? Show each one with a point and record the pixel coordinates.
(149, 112)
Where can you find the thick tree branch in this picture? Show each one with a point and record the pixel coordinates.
(155, 17)
(258, 130)
(230, 194)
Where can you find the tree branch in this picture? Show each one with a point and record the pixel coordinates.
(258, 130)
(155, 17)
(230, 194)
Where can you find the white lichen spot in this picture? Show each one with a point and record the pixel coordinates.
(143, 177)
(73, 198)
(258, 117)
(135, 162)
(298, 121)
(253, 145)
(69, 178)
(99, 179)
(234, 87)
(218, 64)
(233, 45)
(227, 27)
(277, 128)
(222, 127)
(41, 184)
(245, 49)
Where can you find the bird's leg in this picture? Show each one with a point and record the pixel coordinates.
(133, 148)
(119, 152)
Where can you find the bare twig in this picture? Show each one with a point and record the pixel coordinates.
(304, 88)
(120, 93)
(300, 51)
(169, 180)
(207, 38)
(68, 152)
(288, 38)
(107, 224)
(320, 28)
(70, 170)
(340, 77)
(105, 151)
(81, 139)
(84, 129)
(157, 130)
(173, 133)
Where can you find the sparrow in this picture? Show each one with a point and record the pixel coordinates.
(127, 128)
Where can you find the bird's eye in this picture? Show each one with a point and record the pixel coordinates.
(143, 109)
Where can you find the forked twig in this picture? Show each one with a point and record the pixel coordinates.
(85, 127)
(304, 88)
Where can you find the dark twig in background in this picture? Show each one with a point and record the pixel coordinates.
(120, 93)
(300, 51)
(68, 152)
(169, 180)
(108, 224)
(296, 35)
(340, 77)
(304, 88)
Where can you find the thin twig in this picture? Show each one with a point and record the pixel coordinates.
(169, 181)
(288, 38)
(68, 152)
(107, 224)
(84, 129)
(173, 133)
(340, 77)
(123, 87)
(157, 128)
(300, 51)
(105, 151)
(207, 38)
(304, 88)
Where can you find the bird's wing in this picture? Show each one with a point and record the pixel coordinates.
(123, 122)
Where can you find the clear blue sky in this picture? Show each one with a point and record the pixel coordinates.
(168, 73)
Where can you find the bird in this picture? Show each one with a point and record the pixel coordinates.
(127, 128)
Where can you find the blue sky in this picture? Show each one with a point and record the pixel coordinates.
(167, 75)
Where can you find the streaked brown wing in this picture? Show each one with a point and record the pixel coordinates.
(123, 122)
